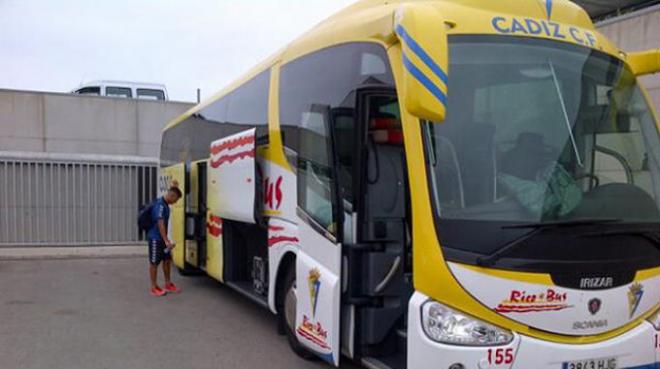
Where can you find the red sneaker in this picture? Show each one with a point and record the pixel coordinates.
(172, 288)
(157, 292)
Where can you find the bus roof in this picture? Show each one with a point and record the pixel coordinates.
(371, 20)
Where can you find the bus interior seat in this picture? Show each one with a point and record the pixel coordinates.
(451, 194)
(387, 130)
(530, 155)
(479, 165)
(385, 169)
(474, 147)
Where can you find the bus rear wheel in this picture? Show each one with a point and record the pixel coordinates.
(287, 313)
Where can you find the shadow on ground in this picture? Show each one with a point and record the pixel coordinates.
(96, 313)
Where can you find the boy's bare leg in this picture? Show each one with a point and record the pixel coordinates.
(167, 269)
(153, 275)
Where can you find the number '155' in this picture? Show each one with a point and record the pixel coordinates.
(500, 356)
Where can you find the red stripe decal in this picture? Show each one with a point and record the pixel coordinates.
(215, 163)
(231, 144)
(275, 240)
(526, 309)
(313, 339)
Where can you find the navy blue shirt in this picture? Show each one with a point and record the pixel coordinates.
(160, 211)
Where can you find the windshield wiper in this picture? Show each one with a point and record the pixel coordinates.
(565, 111)
(490, 260)
(649, 234)
(563, 223)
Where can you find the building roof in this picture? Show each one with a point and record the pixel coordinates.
(600, 9)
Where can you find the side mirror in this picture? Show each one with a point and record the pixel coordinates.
(644, 62)
(421, 29)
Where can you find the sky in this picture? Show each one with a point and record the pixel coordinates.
(49, 45)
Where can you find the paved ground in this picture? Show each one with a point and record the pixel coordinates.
(96, 313)
(20, 253)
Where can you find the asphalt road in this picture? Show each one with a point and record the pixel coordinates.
(97, 313)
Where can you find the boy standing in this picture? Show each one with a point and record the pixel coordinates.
(160, 246)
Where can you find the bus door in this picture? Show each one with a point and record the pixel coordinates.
(176, 226)
(318, 267)
(195, 250)
(202, 209)
(378, 255)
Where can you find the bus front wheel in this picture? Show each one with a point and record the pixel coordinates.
(287, 313)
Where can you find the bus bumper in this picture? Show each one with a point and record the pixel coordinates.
(636, 349)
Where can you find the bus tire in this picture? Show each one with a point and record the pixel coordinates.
(287, 313)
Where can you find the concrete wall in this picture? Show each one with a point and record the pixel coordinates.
(64, 123)
(635, 32)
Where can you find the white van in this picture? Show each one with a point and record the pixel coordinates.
(129, 90)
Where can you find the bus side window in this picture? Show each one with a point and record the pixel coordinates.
(248, 104)
(344, 131)
(190, 140)
(315, 177)
(317, 95)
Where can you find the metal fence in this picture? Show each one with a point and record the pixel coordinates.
(73, 200)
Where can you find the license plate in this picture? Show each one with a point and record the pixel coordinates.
(603, 363)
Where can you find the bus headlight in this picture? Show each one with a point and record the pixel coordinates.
(445, 325)
(655, 320)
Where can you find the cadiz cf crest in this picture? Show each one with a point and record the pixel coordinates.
(635, 294)
(314, 281)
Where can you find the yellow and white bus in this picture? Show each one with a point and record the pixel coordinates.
(435, 184)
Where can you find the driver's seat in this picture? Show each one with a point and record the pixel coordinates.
(528, 157)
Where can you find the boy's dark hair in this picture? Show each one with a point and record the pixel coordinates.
(176, 191)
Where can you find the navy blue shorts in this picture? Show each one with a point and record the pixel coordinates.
(157, 252)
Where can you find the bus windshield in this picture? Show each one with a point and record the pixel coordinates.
(540, 132)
